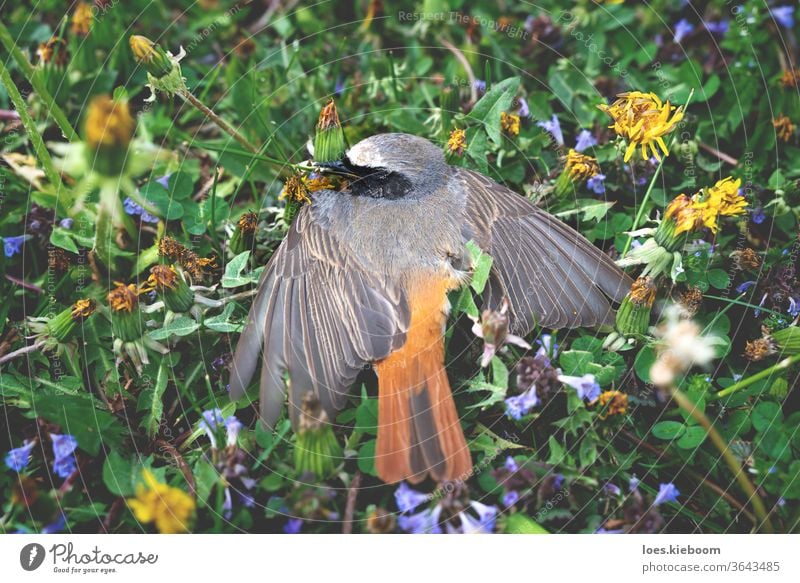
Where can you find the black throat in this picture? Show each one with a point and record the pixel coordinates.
(375, 182)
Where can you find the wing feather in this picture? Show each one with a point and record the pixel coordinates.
(550, 274)
(317, 319)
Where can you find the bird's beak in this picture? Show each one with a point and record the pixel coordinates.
(338, 167)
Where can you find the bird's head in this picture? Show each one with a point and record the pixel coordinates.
(391, 166)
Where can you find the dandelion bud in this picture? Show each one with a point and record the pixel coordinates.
(109, 129)
(633, 316)
(329, 144)
(244, 234)
(125, 316)
(61, 327)
(171, 288)
(787, 340)
(317, 449)
(151, 56)
(81, 22)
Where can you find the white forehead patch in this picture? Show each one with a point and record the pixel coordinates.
(364, 153)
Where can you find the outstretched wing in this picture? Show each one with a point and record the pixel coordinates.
(319, 317)
(551, 275)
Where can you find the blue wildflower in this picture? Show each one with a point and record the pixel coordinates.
(586, 385)
(480, 86)
(66, 223)
(408, 499)
(293, 526)
(64, 447)
(338, 89)
(232, 427)
(424, 522)
(523, 110)
(783, 15)
(585, 141)
(633, 485)
(519, 405)
(484, 524)
(56, 526)
(682, 28)
(13, 245)
(718, 27)
(612, 489)
(794, 307)
(511, 464)
(597, 184)
(757, 215)
(553, 126)
(164, 180)
(666, 493)
(213, 421)
(743, 287)
(134, 209)
(510, 498)
(17, 459)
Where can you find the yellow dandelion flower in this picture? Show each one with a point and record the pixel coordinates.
(248, 222)
(109, 123)
(509, 123)
(82, 19)
(457, 142)
(82, 309)
(643, 291)
(171, 509)
(790, 78)
(685, 215)
(581, 167)
(295, 190)
(784, 128)
(643, 120)
(615, 402)
(722, 199)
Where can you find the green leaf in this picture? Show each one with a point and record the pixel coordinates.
(692, 438)
(222, 323)
(118, 475)
(62, 238)
(519, 523)
(482, 263)
(668, 430)
(366, 458)
(156, 408)
(180, 326)
(575, 362)
(490, 107)
(233, 271)
(767, 415)
(718, 278)
(499, 373)
(792, 481)
(158, 196)
(367, 416)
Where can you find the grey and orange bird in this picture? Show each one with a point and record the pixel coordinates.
(362, 279)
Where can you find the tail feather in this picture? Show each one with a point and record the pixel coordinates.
(418, 426)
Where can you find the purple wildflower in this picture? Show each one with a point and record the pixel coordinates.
(743, 287)
(293, 526)
(585, 141)
(510, 498)
(66, 223)
(666, 493)
(480, 86)
(757, 215)
(682, 28)
(13, 245)
(134, 209)
(784, 15)
(511, 464)
(553, 127)
(596, 184)
(408, 499)
(519, 405)
(64, 447)
(612, 489)
(17, 459)
(523, 110)
(585, 385)
(424, 522)
(718, 27)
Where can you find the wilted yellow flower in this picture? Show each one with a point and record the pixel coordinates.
(457, 141)
(581, 167)
(685, 215)
(170, 508)
(82, 309)
(295, 190)
(248, 222)
(109, 123)
(643, 120)
(55, 47)
(643, 291)
(790, 78)
(784, 128)
(318, 182)
(123, 298)
(616, 402)
(509, 123)
(82, 19)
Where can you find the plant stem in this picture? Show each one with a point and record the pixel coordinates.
(649, 190)
(30, 127)
(21, 351)
(719, 442)
(27, 69)
(223, 125)
(744, 383)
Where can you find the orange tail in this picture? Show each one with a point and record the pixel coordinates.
(418, 426)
